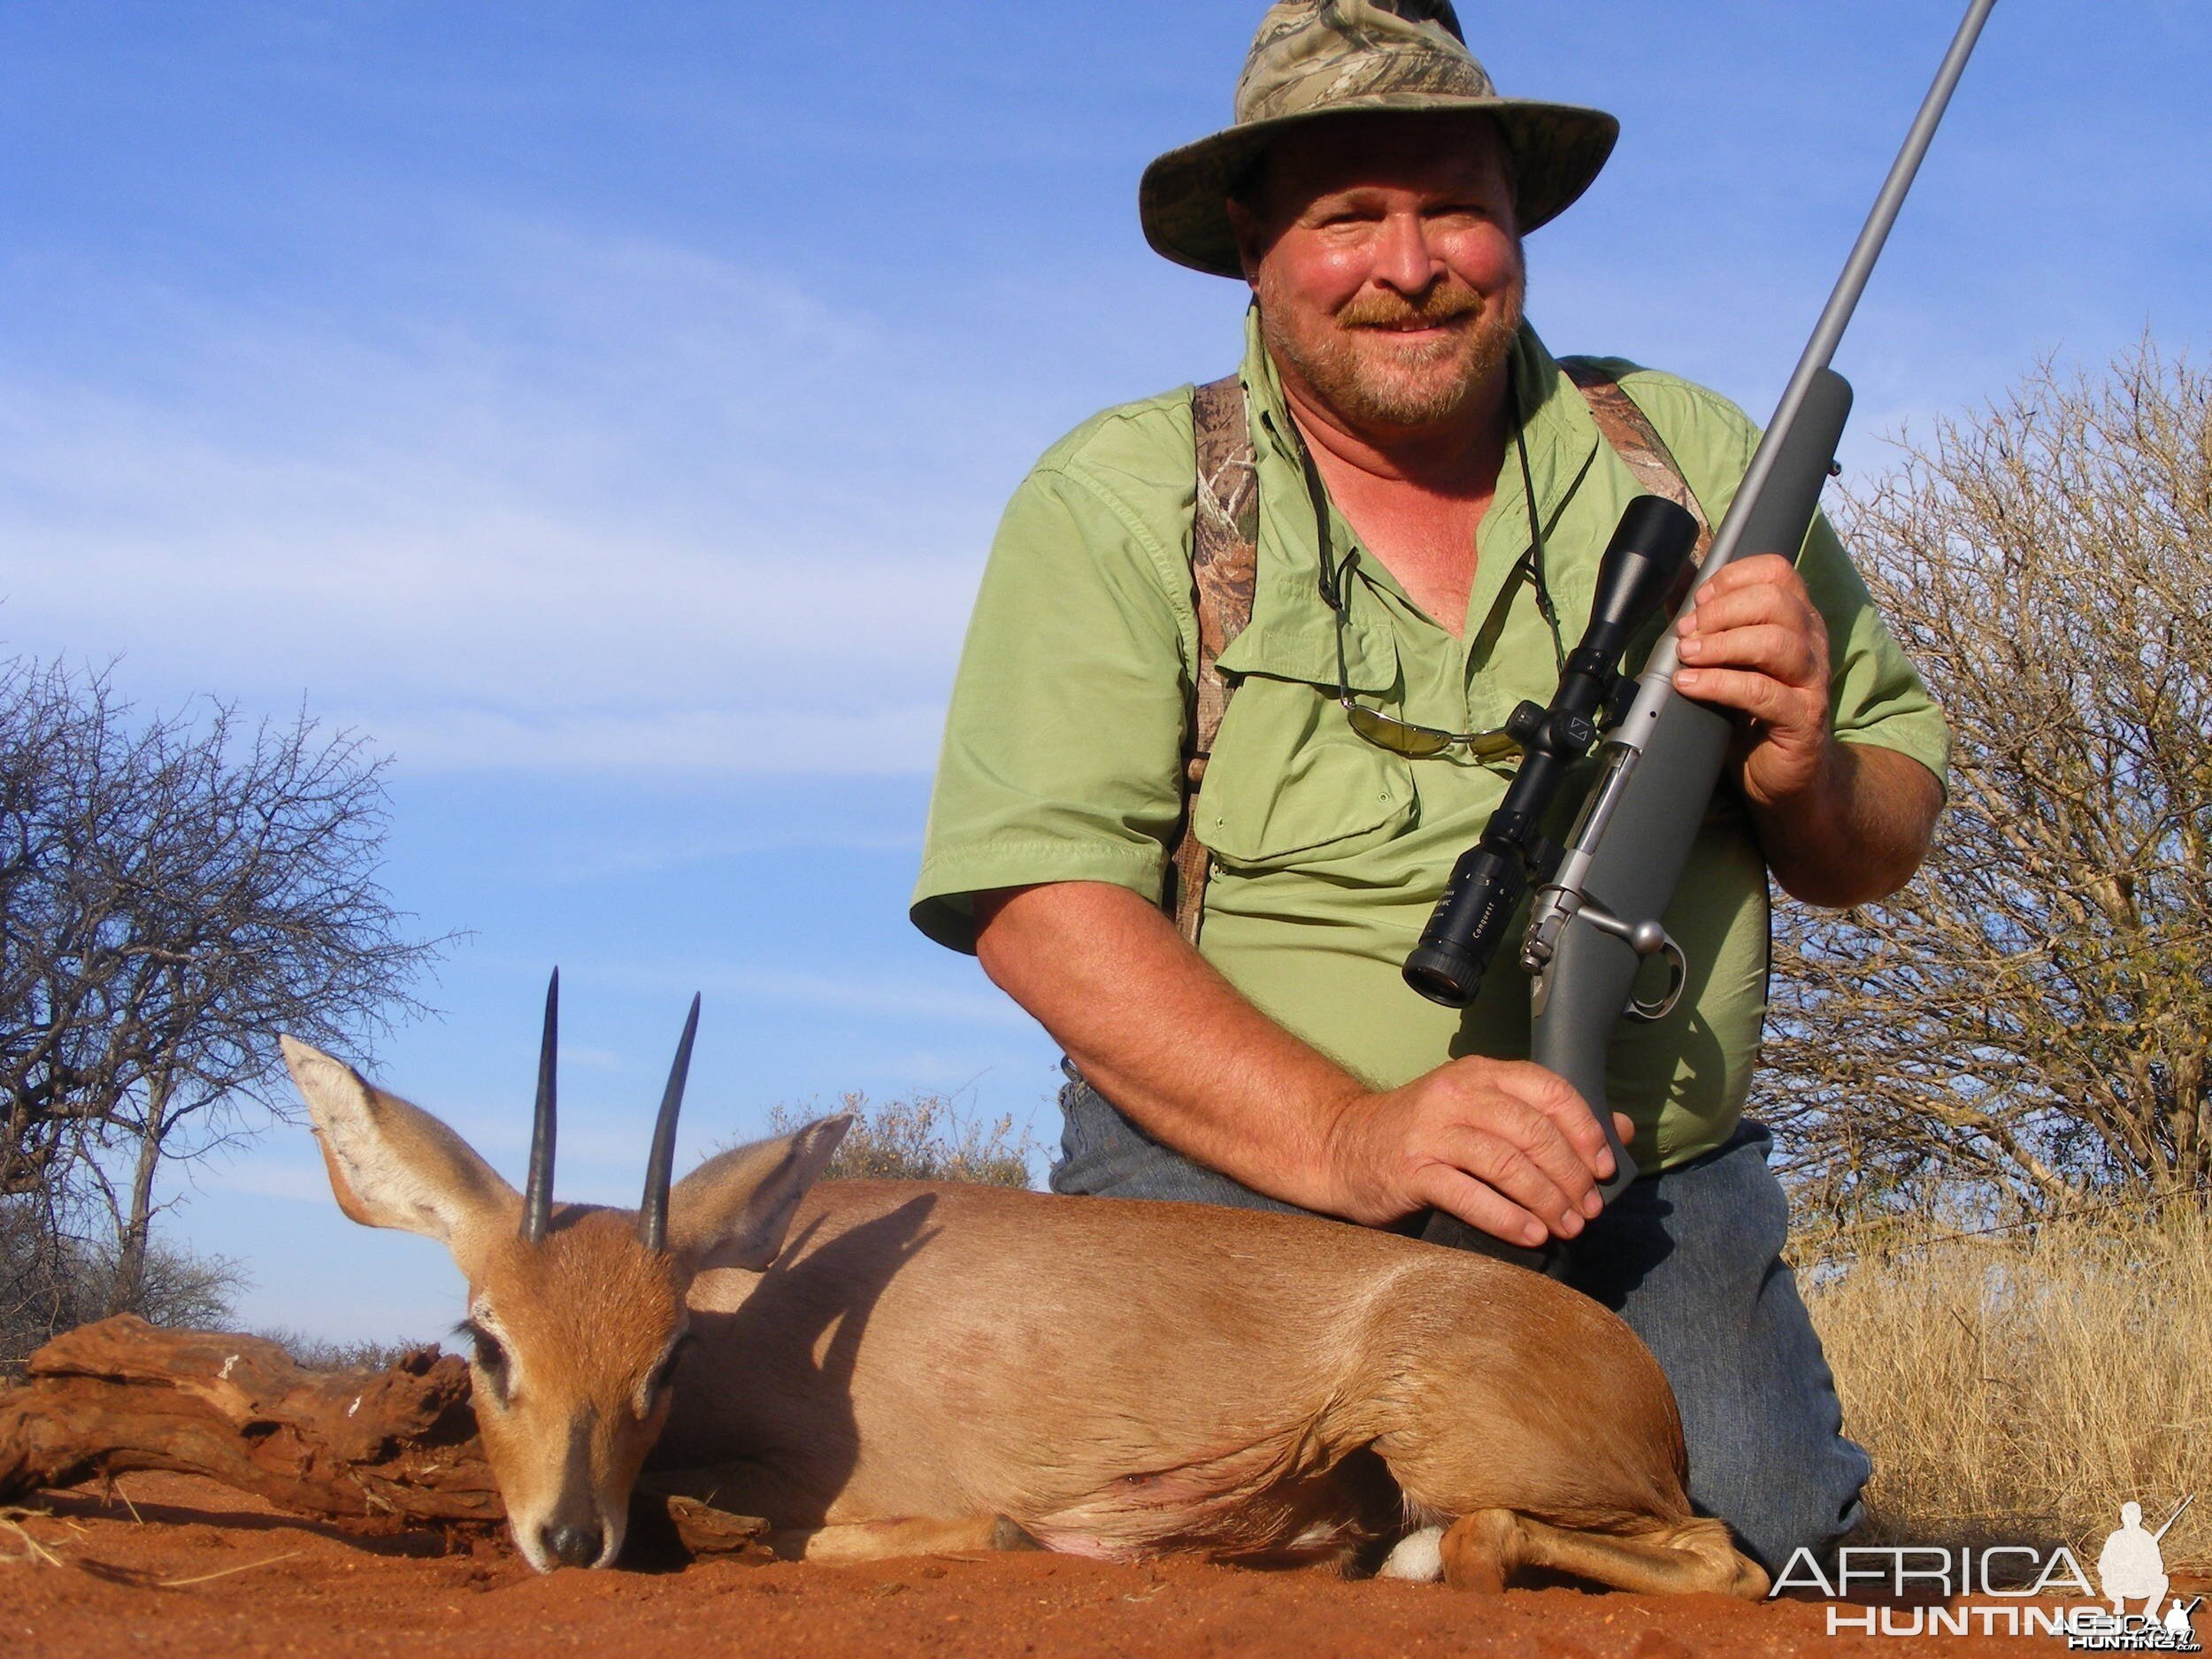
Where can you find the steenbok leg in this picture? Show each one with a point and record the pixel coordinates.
(1488, 1550)
(887, 1541)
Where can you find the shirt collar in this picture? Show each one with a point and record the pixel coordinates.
(1562, 439)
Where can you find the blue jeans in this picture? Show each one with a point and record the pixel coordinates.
(1691, 1259)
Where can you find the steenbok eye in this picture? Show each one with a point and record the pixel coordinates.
(490, 1358)
(663, 1377)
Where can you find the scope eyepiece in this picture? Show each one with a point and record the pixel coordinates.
(1467, 926)
(1444, 973)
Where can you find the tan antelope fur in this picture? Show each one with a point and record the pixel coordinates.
(889, 1367)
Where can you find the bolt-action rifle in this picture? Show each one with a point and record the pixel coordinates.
(1595, 917)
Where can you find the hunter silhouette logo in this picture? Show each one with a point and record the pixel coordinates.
(2130, 1567)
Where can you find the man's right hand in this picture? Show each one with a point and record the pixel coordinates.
(1506, 1145)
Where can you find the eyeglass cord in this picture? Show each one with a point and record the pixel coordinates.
(1332, 577)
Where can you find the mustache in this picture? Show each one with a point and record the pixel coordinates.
(1382, 309)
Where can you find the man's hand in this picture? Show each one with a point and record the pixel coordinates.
(1839, 823)
(1754, 642)
(1507, 1146)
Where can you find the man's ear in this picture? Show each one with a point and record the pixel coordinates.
(392, 1165)
(735, 1209)
(1251, 236)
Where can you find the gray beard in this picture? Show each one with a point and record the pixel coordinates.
(1367, 398)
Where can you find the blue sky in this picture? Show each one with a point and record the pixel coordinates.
(608, 408)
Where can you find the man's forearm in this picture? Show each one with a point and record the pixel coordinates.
(1858, 833)
(1164, 1037)
(1503, 1145)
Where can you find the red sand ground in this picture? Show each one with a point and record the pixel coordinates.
(270, 1584)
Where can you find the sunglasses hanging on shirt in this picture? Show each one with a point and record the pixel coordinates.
(1387, 731)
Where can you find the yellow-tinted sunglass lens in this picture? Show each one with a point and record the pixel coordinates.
(1415, 742)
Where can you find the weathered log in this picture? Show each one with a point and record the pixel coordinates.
(701, 1529)
(395, 1446)
(121, 1394)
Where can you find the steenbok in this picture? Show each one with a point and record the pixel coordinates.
(896, 1367)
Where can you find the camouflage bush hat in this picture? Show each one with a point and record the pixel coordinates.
(1317, 58)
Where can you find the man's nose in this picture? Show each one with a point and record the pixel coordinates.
(1403, 258)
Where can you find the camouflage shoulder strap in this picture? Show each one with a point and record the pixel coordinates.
(1644, 453)
(1225, 562)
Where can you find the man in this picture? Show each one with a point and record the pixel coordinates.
(1433, 493)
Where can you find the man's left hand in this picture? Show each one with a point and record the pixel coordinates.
(1838, 822)
(1754, 642)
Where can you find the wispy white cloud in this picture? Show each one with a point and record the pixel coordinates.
(514, 648)
(594, 514)
(265, 1176)
(948, 997)
(568, 862)
(767, 738)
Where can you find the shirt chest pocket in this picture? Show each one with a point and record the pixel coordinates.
(1290, 783)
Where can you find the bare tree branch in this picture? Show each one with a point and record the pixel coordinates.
(173, 894)
(2026, 1026)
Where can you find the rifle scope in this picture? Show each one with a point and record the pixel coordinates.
(1649, 546)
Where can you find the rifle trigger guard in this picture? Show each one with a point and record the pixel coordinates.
(1646, 939)
(1678, 976)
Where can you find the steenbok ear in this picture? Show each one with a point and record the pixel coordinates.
(392, 1165)
(733, 1209)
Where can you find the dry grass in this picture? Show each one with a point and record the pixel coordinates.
(2018, 1389)
(926, 1138)
(315, 1353)
(11, 1525)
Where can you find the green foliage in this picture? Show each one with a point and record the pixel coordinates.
(923, 1138)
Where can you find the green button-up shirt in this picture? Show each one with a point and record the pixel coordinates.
(1063, 748)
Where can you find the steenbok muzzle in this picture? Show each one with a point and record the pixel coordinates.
(897, 1367)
